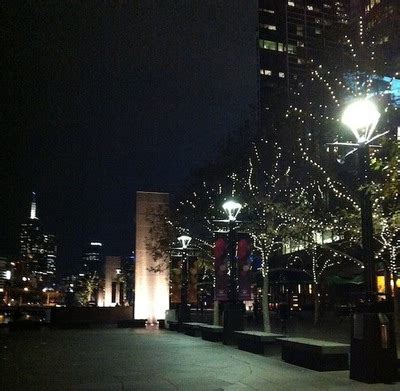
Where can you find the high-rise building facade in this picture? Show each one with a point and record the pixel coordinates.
(291, 35)
(93, 259)
(38, 252)
(381, 32)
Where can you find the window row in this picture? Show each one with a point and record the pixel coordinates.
(268, 26)
(279, 46)
(268, 72)
(311, 7)
(268, 11)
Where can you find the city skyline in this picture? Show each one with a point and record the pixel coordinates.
(104, 101)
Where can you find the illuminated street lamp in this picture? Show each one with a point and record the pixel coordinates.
(233, 312)
(232, 210)
(184, 310)
(362, 117)
(373, 355)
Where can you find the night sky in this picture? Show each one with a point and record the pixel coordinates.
(104, 98)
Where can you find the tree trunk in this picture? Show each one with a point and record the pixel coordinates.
(216, 313)
(265, 306)
(317, 304)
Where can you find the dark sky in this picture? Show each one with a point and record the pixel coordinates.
(104, 98)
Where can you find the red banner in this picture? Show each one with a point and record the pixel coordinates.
(244, 275)
(176, 277)
(221, 269)
(192, 281)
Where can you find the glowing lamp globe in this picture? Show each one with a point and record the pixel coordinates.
(185, 240)
(361, 117)
(232, 209)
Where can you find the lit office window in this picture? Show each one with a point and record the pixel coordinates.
(291, 49)
(281, 74)
(268, 11)
(290, 3)
(310, 8)
(269, 45)
(266, 72)
(268, 26)
(281, 47)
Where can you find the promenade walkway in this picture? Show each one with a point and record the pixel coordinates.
(143, 359)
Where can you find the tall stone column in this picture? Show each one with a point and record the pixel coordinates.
(151, 288)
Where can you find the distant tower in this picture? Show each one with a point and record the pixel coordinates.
(33, 207)
(38, 251)
(93, 259)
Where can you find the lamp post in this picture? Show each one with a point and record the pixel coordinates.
(362, 117)
(232, 209)
(233, 311)
(373, 356)
(184, 310)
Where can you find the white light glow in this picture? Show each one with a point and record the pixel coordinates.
(361, 117)
(8, 275)
(232, 209)
(185, 240)
(96, 244)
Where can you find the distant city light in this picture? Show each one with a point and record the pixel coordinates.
(8, 275)
(96, 244)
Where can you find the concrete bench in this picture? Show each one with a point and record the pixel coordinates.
(211, 333)
(192, 328)
(255, 341)
(315, 354)
(173, 325)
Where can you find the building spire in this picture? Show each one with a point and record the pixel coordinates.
(33, 206)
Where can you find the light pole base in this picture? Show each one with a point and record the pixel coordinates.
(373, 356)
(184, 313)
(233, 321)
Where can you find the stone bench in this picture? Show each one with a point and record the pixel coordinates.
(173, 325)
(255, 341)
(211, 333)
(192, 328)
(315, 354)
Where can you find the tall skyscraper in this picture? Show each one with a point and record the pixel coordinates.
(291, 35)
(379, 31)
(93, 259)
(38, 251)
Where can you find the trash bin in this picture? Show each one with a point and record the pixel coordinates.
(373, 355)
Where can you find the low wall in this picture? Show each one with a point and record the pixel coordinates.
(71, 315)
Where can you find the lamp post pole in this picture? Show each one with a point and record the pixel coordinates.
(232, 264)
(184, 310)
(367, 233)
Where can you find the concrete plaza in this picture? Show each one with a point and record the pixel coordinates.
(149, 359)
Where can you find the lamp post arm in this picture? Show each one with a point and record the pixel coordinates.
(376, 137)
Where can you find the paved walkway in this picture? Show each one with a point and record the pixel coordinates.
(128, 359)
